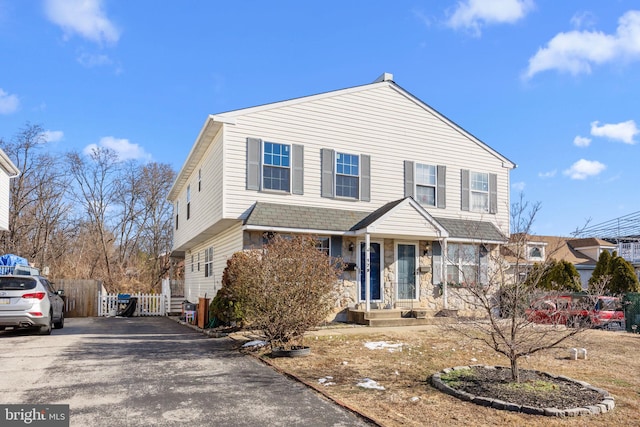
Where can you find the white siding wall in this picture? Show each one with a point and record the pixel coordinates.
(207, 204)
(405, 222)
(224, 245)
(380, 122)
(4, 201)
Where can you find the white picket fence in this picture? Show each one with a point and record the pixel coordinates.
(147, 305)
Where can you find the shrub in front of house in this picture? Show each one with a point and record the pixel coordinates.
(285, 288)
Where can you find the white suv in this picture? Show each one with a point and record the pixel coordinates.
(30, 302)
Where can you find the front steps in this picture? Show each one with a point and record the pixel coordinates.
(396, 317)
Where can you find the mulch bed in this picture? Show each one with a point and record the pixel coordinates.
(497, 384)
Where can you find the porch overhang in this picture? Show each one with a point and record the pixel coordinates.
(403, 219)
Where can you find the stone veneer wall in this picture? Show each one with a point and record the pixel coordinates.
(430, 297)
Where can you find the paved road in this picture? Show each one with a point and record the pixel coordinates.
(154, 372)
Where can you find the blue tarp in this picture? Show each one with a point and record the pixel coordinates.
(12, 260)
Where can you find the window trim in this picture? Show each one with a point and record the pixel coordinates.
(208, 262)
(434, 185)
(358, 176)
(263, 164)
(188, 201)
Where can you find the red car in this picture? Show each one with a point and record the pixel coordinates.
(577, 309)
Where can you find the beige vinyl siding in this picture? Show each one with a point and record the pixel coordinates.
(4, 201)
(224, 245)
(204, 213)
(405, 222)
(380, 122)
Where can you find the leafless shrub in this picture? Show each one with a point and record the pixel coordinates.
(285, 288)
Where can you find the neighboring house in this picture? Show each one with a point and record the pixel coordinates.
(583, 253)
(7, 171)
(370, 166)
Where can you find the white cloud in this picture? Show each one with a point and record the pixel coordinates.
(518, 186)
(8, 103)
(583, 19)
(473, 14)
(549, 174)
(582, 169)
(90, 60)
(576, 51)
(581, 141)
(122, 147)
(53, 135)
(624, 131)
(83, 17)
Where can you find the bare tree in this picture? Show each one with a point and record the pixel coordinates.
(95, 190)
(503, 295)
(39, 209)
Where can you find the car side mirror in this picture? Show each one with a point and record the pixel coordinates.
(60, 292)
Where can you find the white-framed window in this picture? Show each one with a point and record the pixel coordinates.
(479, 187)
(323, 244)
(463, 263)
(208, 262)
(348, 175)
(192, 263)
(198, 261)
(276, 167)
(536, 252)
(426, 184)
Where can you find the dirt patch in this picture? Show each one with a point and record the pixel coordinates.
(535, 389)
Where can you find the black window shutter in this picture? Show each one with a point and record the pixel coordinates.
(254, 147)
(409, 184)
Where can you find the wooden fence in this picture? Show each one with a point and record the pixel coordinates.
(80, 296)
(146, 305)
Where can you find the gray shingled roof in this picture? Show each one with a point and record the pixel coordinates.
(467, 229)
(312, 218)
(303, 217)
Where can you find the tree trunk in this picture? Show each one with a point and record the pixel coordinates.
(515, 371)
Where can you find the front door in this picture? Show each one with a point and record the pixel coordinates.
(406, 271)
(375, 282)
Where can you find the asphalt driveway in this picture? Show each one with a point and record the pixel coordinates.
(154, 372)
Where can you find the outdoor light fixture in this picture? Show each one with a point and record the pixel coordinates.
(426, 249)
(351, 247)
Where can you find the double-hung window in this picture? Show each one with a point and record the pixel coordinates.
(479, 191)
(347, 175)
(426, 184)
(463, 262)
(479, 185)
(208, 262)
(276, 167)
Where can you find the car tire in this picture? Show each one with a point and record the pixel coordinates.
(46, 330)
(59, 324)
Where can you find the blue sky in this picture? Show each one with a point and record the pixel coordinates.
(552, 85)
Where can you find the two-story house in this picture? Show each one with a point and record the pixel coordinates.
(406, 197)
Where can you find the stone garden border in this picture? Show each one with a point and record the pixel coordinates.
(607, 403)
